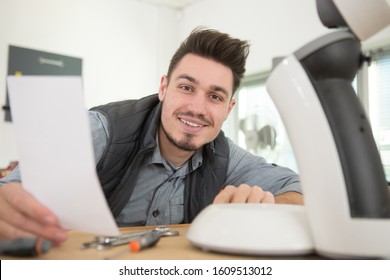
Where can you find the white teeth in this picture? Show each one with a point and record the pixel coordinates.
(190, 123)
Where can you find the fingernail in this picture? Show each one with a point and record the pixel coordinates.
(60, 236)
(49, 220)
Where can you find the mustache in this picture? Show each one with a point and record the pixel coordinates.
(196, 116)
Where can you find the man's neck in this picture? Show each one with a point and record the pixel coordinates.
(171, 153)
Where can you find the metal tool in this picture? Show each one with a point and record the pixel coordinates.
(147, 240)
(103, 242)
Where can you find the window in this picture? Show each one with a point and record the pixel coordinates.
(377, 102)
(256, 124)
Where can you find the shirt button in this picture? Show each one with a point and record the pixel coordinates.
(155, 213)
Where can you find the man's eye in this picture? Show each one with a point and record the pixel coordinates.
(216, 97)
(186, 88)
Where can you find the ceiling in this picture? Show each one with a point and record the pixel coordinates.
(177, 4)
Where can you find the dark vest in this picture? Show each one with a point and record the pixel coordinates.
(132, 126)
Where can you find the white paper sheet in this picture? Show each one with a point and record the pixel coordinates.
(55, 151)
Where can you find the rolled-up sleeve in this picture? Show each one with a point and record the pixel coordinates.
(99, 132)
(246, 168)
(13, 176)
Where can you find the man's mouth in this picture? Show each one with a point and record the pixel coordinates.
(192, 124)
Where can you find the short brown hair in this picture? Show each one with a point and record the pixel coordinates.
(220, 47)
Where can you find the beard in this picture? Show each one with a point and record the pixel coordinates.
(184, 144)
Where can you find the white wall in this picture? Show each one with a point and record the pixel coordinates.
(274, 28)
(126, 44)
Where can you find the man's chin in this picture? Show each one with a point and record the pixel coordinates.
(186, 146)
(183, 142)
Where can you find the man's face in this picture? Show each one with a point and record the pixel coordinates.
(196, 102)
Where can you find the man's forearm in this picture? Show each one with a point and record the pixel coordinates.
(289, 198)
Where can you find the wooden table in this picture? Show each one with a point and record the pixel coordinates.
(168, 248)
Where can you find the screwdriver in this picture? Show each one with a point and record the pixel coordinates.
(24, 247)
(145, 241)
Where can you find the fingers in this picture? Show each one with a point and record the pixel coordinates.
(8, 231)
(259, 196)
(244, 194)
(22, 201)
(21, 215)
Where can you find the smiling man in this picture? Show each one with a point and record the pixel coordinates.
(163, 158)
(196, 100)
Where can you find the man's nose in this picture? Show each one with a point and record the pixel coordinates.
(198, 104)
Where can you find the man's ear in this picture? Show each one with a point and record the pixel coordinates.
(163, 87)
(231, 105)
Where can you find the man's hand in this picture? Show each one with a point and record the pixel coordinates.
(21, 215)
(244, 194)
(247, 194)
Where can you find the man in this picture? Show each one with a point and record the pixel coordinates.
(163, 158)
